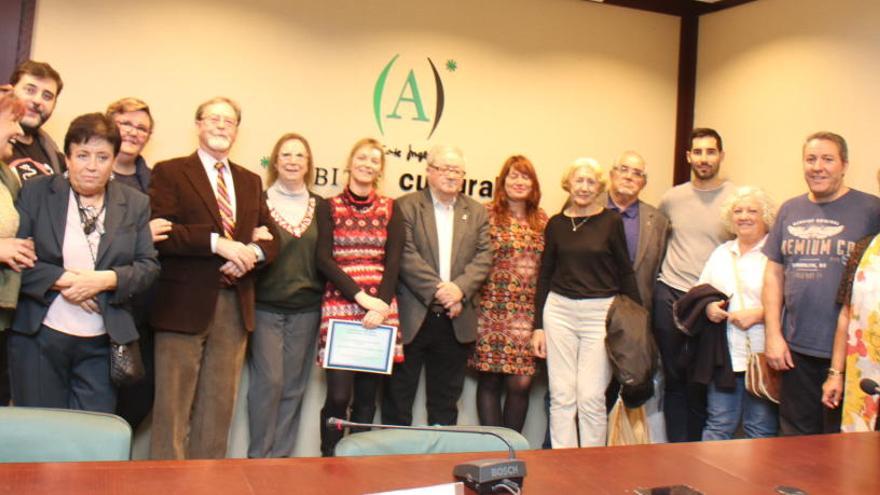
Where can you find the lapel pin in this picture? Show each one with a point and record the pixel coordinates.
(464, 217)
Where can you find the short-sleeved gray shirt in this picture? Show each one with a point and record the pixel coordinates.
(812, 241)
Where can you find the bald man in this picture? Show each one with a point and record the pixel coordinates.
(645, 227)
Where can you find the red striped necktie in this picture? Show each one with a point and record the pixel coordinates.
(223, 203)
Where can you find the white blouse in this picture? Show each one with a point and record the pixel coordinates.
(719, 272)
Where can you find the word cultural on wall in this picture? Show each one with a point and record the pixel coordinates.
(407, 181)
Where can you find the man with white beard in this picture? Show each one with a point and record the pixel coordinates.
(204, 307)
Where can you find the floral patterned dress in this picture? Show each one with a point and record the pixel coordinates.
(863, 343)
(507, 305)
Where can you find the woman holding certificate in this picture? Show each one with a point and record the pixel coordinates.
(359, 250)
(585, 264)
(288, 294)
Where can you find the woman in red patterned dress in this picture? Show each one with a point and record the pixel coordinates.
(359, 248)
(502, 353)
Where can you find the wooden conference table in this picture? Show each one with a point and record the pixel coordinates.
(824, 464)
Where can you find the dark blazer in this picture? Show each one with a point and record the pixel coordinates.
(190, 281)
(653, 232)
(419, 267)
(126, 248)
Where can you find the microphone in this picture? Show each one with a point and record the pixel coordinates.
(484, 477)
(869, 386)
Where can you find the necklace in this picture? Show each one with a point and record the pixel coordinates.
(576, 226)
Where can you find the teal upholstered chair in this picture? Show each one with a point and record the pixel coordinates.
(393, 442)
(30, 434)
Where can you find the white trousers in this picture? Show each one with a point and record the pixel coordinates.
(578, 369)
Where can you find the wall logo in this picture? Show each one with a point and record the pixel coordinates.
(410, 94)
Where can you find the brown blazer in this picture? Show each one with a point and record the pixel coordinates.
(653, 231)
(190, 280)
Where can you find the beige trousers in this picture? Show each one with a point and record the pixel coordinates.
(578, 370)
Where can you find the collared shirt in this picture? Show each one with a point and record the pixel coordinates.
(444, 217)
(208, 162)
(740, 276)
(630, 218)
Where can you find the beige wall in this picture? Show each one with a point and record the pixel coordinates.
(773, 71)
(552, 79)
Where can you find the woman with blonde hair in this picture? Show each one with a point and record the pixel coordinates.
(585, 264)
(359, 250)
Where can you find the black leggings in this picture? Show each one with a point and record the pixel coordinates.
(516, 403)
(339, 394)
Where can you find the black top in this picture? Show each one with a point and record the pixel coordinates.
(590, 262)
(32, 160)
(393, 254)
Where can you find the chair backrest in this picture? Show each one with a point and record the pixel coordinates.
(29, 434)
(393, 442)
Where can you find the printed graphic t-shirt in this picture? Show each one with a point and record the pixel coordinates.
(812, 241)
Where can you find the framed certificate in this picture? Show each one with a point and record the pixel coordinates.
(350, 346)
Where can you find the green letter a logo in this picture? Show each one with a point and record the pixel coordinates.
(414, 97)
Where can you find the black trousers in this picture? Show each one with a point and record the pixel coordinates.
(340, 384)
(444, 359)
(801, 411)
(54, 369)
(135, 402)
(684, 404)
(5, 391)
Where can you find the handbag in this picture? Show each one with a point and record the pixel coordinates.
(126, 365)
(762, 381)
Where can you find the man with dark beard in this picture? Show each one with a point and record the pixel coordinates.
(35, 153)
(694, 211)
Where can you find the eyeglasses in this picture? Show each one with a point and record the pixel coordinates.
(215, 120)
(623, 169)
(130, 126)
(455, 173)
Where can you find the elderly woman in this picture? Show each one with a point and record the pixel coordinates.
(856, 352)
(94, 252)
(288, 293)
(359, 250)
(585, 264)
(502, 354)
(15, 254)
(736, 268)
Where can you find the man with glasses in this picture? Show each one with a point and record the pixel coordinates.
(35, 153)
(645, 227)
(204, 307)
(446, 258)
(694, 210)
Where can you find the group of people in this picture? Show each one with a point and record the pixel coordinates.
(205, 269)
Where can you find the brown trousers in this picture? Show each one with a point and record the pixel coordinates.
(196, 384)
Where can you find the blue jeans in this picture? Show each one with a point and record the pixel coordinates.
(727, 407)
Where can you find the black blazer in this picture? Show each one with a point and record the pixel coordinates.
(126, 248)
